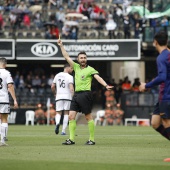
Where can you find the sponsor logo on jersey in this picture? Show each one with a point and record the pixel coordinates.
(44, 49)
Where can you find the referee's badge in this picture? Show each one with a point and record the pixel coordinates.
(82, 77)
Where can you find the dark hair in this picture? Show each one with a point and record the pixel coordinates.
(66, 65)
(3, 60)
(82, 52)
(162, 38)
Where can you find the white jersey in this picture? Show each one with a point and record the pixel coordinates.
(5, 79)
(62, 81)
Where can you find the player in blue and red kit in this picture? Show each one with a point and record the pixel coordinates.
(161, 114)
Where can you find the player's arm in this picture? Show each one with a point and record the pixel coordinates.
(53, 88)
(65, 54)
(71, 87)
(102, 82)
(162, 75)
(12, 92)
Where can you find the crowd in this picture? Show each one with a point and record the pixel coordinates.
(37, 15)
(37, 83)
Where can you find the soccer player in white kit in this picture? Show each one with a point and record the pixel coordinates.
(6, 85)
(63, 88)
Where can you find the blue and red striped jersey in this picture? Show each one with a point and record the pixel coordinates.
(163, 77)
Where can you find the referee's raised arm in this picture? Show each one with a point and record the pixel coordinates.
(64, 52)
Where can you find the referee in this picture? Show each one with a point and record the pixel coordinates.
(82, 99)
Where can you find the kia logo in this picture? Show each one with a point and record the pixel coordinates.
(44, 49)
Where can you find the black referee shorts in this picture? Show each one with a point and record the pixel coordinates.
(82, 102)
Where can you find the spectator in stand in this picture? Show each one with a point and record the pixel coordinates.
(117, 14)
(27, 20)
(136, 84)
(39, 115)
(9, 5)
(54, 32)
(16, 79)
(72, 4)
(13, 20)
(1, 22)
(136, 25)
(110, 15)
(118, 114)
(74, 32)
(66, 32)
(37, 19)
(60, 17)
(28, 83)
(36, 83)
(102, 19)
(43, 85)
(83, 8)
(110, 27)
(21, 82)
(126, 86)
(22, 6)
(32, 2)
(95, 11)
(48, 32)
(50, 80)
(125, 5)
(164, 22)
(126, 23)
(59, 3)
(52, 18)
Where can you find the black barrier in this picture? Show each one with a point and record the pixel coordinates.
(124, 49)
(7, 49)
(138, 104)
(17, 116)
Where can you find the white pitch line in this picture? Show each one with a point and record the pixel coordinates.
(82, 135)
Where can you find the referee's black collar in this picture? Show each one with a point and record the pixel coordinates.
(84, 67)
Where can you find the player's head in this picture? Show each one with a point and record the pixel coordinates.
(68, 68)
(82, 58)
(3, 62)
(160, 39)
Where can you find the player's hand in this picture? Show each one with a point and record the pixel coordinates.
(15, 104)
(109, 87)
(142, 87)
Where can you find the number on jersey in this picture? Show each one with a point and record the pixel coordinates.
(61, 83)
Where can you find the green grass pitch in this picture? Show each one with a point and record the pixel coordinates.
(117, 148)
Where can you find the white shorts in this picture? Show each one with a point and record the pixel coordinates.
(63, 105)
(4, 108)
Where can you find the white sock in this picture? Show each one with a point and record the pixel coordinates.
(4, 129)
(0, 126)
(57, 119)
(65, 123)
